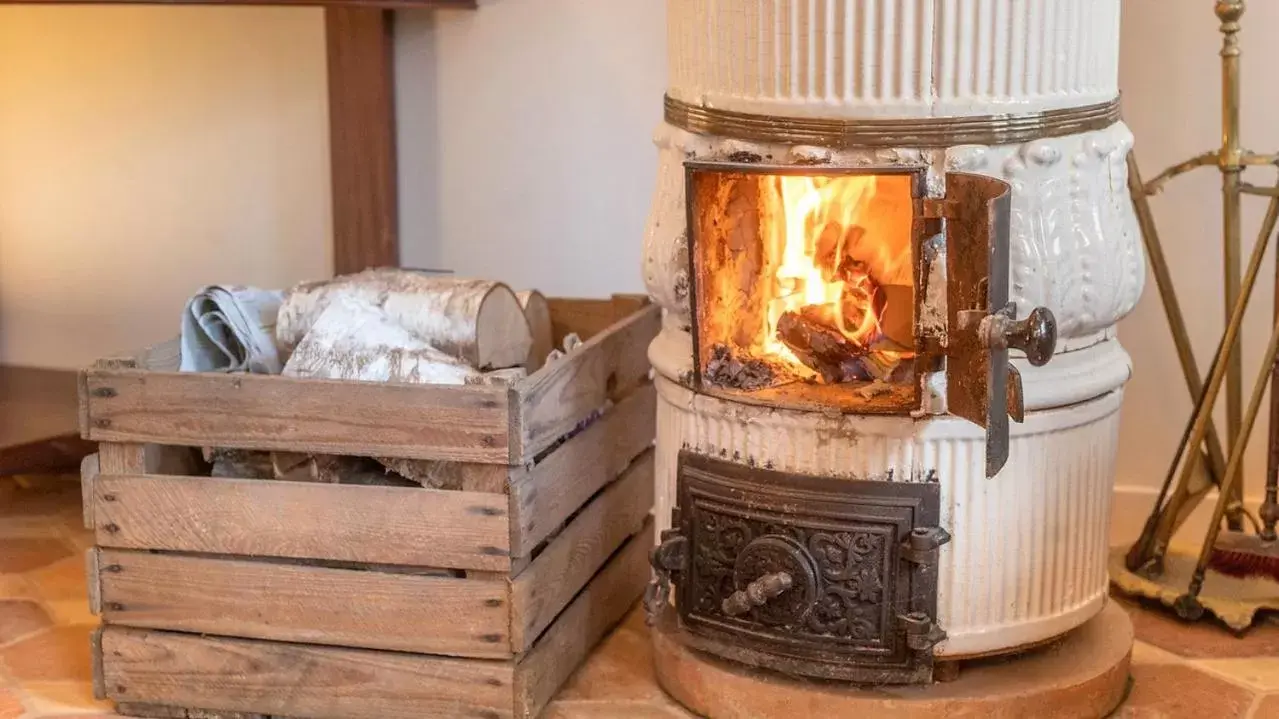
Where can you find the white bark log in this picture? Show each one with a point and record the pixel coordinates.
(355, 341)
(500, 376)
(478, 321)
(538, 314)
(430, 473)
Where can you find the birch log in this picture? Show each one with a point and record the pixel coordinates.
(355, 341)
(538, 314)
(478, 321)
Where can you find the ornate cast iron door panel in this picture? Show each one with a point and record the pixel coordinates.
(805, 575)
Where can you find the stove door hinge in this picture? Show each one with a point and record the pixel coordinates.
(922, 545)
(922, 632)
(669, 560)
(933, 211)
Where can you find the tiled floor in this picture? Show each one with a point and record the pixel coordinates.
(1179, 670)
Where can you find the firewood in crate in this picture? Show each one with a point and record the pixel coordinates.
(477, 321)
(337, 469)
(241, 463)
(293, 467)
(430, 473)
(354, 341)
(538, 313)
(508, 376)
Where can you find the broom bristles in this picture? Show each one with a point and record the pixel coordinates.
(1243, 556)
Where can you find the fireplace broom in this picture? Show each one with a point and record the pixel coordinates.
(1240, 553)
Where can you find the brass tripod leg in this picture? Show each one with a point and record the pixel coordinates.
(1188, 605)
(1216, 463)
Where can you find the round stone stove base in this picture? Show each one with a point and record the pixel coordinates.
(1083, 675)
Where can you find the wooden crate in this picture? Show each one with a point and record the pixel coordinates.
(252, 597)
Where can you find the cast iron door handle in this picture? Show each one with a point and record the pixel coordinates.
(757, 593)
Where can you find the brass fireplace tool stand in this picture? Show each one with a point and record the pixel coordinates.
(1199, 463)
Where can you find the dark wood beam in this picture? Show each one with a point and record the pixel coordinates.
(362, 138)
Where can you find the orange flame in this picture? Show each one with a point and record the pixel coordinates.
(834, 242)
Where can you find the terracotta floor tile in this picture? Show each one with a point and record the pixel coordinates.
(64, 579)
(10, 705)
(609, 710)
(71, 611)
(23, 527)
(1200, 640)
(20, 617)
(620, 668)
(51, 698)
(43, 497)
(58, 654)
(1167, 691)
(1257, 672)
(1267, 708)
(15, 586)
(79, 537)
(1143, 653)
(23, 554)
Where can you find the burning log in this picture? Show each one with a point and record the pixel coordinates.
(817, 342)
(727, 371)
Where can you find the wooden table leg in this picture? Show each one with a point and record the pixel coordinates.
(362, 138)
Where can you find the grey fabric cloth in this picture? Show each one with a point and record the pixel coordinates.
(227, 328)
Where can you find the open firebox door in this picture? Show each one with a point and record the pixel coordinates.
(809, 285)
(982, 386)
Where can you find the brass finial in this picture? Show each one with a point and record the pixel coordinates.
(1229, 12)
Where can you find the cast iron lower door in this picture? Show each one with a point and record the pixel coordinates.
(811, 576)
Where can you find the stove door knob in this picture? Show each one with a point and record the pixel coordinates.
(1036, 335)
(757, 593)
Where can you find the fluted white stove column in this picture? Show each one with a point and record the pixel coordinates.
(1027, 561)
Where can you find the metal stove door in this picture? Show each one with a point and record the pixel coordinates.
(809, 576)
(982, 386)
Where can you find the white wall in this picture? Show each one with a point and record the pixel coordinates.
(526, 152)
(145, 151)
(1170, 78)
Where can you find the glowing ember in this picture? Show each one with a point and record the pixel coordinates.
(812, 275)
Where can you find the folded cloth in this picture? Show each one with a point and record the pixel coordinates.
(226, 328)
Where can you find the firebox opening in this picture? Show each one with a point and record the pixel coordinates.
(804, 286)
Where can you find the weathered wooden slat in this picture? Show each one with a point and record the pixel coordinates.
(316, 605)
(218, 674)
(557, 486)
(541, 591)
(91, 574)
(89, 469)
(160, 711)
(592, 614)
(551, 401)
(378, 525)
(122, 458)
(467, 424)
(299, 680)
(97, 664)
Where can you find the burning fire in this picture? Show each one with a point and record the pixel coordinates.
(814, 275)
(836, 265)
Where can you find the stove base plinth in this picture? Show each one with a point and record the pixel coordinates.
(1083, 675)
